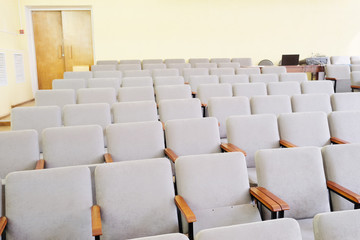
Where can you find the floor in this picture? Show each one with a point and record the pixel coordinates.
(6, 121)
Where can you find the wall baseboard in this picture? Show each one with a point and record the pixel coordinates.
(19, 104)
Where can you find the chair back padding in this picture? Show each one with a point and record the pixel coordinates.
(274, 104)
(137, 82)
(265, 78)
(137, 73)
(131, 94)
(345, 125)
(84, 75)
(195, 81)
(96, 95)
(107, 74)
(297, 77)
(168, 80)
(188, 72)
(69, 83)
(248, 70)
(222, 71)
(165, 72)
(284, 88)
(138, 111)
(249, 89)
(136, 198)
(317, 87)
(55, 97)
(346, 101)
(104, 83)
(179, 109)
(242, 78)
(273, 69)
(172, 92)
(170, 236)
(207, 91)
(311, 103)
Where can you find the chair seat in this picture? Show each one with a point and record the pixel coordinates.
(225, 216)
(252, 176)
(306, 227)
(171, 236)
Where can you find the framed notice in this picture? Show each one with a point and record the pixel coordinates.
(3, 75)
(19, 67)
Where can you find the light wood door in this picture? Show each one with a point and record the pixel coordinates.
(48, 38)
(63, 39)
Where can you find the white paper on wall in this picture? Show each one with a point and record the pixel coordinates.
(19, 67)
(3, 75)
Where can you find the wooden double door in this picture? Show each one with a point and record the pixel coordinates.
(63, 39)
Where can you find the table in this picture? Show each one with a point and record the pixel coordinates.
(313, 69)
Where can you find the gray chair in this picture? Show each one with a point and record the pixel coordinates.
(243, 78)
(245, 62)
(249, 89)
(355, 80)
(193, 61)
(172, 92)
(248, 70)
(345, 101)
(130, 61)
(107, 62)
(137, 73)
(220, 60)
(59, 97)
(104, 83)
(137, 82)
(69, 83)
(174, 60)
(125, 67)
(178, 66)
(107, 74)
(138, 111)
(222, 71)
(96, 95)
(283, 88)
(165, 72)
(205, 65)
(195, 81)
(233, 65)
(169, 80)
(275, 104)
(297, 77)
(265, 78)
(311, 103)
(75, 75)
(170, 236)
(340, 60)
(207, 91)
(344, 127)
(273, 69)
(340, 75)
(317, 87)
(179, 109)
(131, 94)
(188, 72)
(103, 67)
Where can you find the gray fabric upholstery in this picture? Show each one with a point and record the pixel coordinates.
(295, 175)
(137, 140)
(249, 89)
(107, 62)
(274, 104)
(19, 151)
(170, 236)
(220, 60)
(205, 65)
(139, 111)
(244, 62)
(355, 67)
(172, 92)
(168, 80)
(215, 203)
(132, 94)
(223, 107)
(195, 81)
(337, 225)
(311, 103)
(193, 136)
(152, 61)
(130, 61)
(72, 75)
(283, 88)
(346, 101)
(179, 66)
(265, 78)
(49, 204)
(242, 78)
(305, 128)
(345, 125)
(69, 83)
(152, 66)
(147, 204)
(273, 69)
(137, 73)
(340, 60)
(28, 118)
(165, 72)
(232, 65)
(207, 91)
(317, 87)
(96, 95)
(174, 60)
(297, 77)
(355, 77)
(104, 83)
(306, 227)
(222, 71)
(193, 61)
(279, 229)
(137, 82)
(341, 163)
(248, 70)
(58, 97)
(107, 74)
(342, 74)
(130, 66)
(103, 67)
(179, 109)
(75, 145)
(187, 72)
(355, 60)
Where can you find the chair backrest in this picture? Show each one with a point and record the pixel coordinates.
(248, 70)
(125, 67)
(207, 91)
(188, 72)
(135, 140)
(244, 62)
(275, 104)
(205, 65)
(137, 73)
(253, 132)
(222, 71)
(28, 118)
(340, 60)
(107, 62)
(75, 145)
(174, 60)
(283, 170)
(152, 66)
(265, 78)
(338, 71)
(249, 89)
(165, 72)
(179, 66)
(87, 114)
(59, 97)
(149, 198)
(341, 163)
(19, 151)
(179, 109)
(195, 81)
(131, 94)
(317, 87)
(193, 136)
(104, 83)
(69, 83)
(96, 95)
(168, 80)
(355, 60)
(137, 82)
(346, 101)
(242, 78)
(220, 60)
(311, 103)
(139, 111)
(152, 61)
(72, 75)
(130, 61)
(278, 229)
(344, 125)
(172, 92)
(232, 65)
(283, 88)
(64, 196)
(273, 69)
(337, 225)
(169, 236)
(223, 107)
(103, 67)
(297, 77)
(193, 61)
(305, 128)
(355, 77)
(107, 74)
(355, 67)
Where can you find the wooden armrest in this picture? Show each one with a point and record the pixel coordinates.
(108, 158)
(163, 124)
(40, 164)
(229, 147)
(203, 104)
(265, 200)
(329, 78)
(344, 192)
(355, 86)
(96, 220)
(3, 222)
(338, 140)
(287, 144)
(282, 203)
(171, 154)
(185, 209)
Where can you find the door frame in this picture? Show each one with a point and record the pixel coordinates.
(31, 41)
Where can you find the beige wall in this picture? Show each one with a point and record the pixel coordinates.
(203, 28)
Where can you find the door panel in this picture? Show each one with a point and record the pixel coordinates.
(48, 45)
